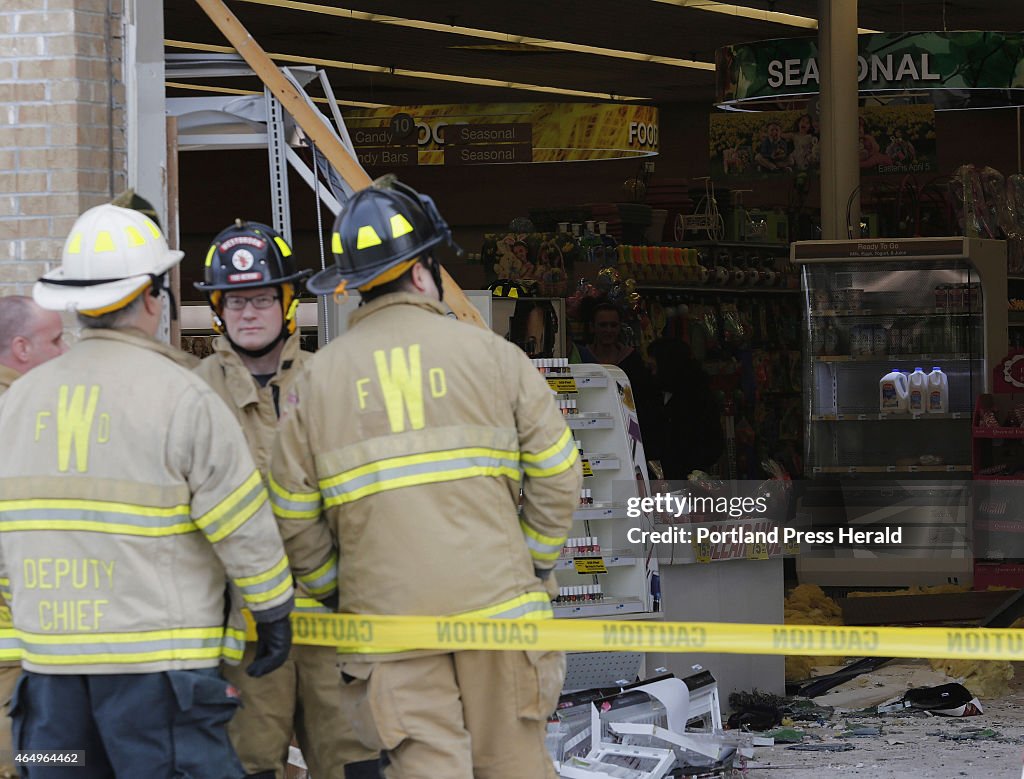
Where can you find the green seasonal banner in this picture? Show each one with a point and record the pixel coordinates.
(891, 140)
(886, 61)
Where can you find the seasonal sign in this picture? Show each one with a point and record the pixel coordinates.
(886, 61)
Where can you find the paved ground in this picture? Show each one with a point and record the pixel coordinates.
(909, 746)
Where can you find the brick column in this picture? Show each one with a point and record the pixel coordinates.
(62, 136)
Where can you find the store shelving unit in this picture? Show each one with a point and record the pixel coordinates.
(1015, 317)
(715, 289)
(998, 460)
(739, 331)
(606, 427)
(874, 306)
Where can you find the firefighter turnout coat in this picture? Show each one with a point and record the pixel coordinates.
(132, 500)
(7, 378)
(254, 407)
(9, 651)
(397, 470)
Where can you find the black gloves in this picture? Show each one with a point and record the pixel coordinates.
(273, 642)
(330, 601)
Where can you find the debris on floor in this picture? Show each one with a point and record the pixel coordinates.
(969, 734)
(824, 746)
(948, 700)
(785, 735)
(902, 743)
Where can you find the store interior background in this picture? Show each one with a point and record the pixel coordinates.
(217, 187)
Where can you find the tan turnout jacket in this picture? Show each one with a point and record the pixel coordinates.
(7, 378)
(131, 501)
(254, 406)
(397, 470)
(9, 648)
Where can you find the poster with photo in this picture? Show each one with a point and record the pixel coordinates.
(891, 140)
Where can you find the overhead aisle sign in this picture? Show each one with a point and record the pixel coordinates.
(494, 134)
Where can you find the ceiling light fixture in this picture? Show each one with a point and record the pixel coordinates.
(775, 17)
(235, 91)
(472, 32)
(461, 79)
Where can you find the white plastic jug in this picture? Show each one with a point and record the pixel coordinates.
(892, 393)
(917, 386)
(937, 401)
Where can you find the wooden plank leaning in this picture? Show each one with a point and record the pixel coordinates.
(308, 118)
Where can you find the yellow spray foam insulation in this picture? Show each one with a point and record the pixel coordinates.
(808, 604)
(985, 678)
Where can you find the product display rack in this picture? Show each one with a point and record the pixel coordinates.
(603, 421)
(889, 305)
(737, 305)
(998, 460)
(1015, 312)
(873, 307)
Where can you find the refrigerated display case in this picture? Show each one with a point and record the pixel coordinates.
(874, 307)
(878, 306)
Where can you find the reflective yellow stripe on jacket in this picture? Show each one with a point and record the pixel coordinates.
(418, 469)
(56, 649)
(96, 516)
(10, 647)
(324, 579)
(267, 585)
(310, 605)
(293, 505)
(543, 549)
(556, 459)
(232, 512)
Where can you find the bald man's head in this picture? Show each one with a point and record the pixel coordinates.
(29, 335)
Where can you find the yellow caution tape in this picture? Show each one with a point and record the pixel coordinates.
(363, 633)
(354, 634)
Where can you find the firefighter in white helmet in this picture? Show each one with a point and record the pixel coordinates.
(250, 280)
(132, 503)
(398, 467)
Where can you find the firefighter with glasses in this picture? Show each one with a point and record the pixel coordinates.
(251, 282)
(398, 469)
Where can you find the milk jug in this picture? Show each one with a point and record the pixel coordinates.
(916, 391)
(892, 393)
(937, 398)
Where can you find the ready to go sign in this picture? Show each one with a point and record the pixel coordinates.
(885, 61)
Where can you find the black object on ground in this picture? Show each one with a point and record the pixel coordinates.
(822, 684)
(754, 710)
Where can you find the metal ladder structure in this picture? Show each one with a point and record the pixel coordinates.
(280, 136)
(280, 133)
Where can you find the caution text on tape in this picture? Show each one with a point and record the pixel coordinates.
(354, 634)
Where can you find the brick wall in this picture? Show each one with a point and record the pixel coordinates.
(62, 139)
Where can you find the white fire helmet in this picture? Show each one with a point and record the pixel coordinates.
(110, 257)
